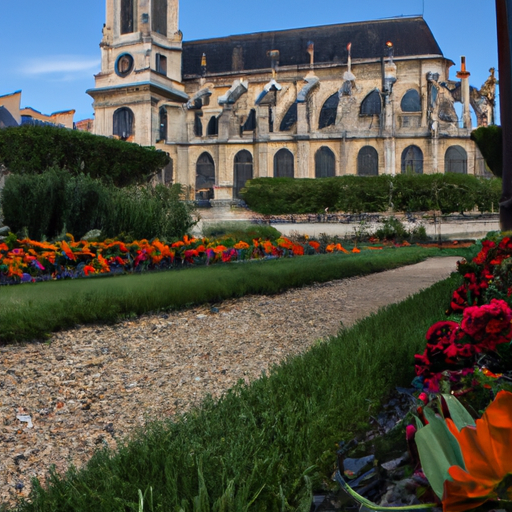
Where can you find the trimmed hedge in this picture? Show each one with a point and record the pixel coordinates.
(48, 204)
(489, 140)
(33, 149)
(449, 193)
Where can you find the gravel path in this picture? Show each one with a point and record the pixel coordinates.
(91, 385)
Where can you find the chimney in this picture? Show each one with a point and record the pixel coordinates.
(463, 74)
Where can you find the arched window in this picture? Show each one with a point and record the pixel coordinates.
(127, 16)
(329, 111)
(124, 123)
(198, 125)
(205, 177)
(372, 104)
(411, 101)
(289, 119)
(368, 162)
(412, 160)
(325, 163)
(213, 126)
(250, 122)
(243, 171)
(159, 16)
(163, 123)
(283, 164)
(456, 160)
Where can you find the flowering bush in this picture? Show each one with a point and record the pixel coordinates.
(29, 261)
(480, 325)
(469, 355)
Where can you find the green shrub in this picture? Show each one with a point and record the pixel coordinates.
(391, 229)
(147, 212)
(44, 205)
(449, 193)
(36, 204)
(244, 231)
(489, 140)
(33, 149)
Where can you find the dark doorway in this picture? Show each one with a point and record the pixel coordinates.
(124, 123)
(412, 160)
(456, 160)
(205, 177)
(368, 162)
(243, 171)
(283, 164)
(325, 163)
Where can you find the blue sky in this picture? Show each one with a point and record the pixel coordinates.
(49, 49)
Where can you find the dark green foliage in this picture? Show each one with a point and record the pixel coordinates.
(244, 231)
(271, 442)
(36, 203)
(489, 140)
(45, 205)
(33, 149)
(449, 193)
(147, 212)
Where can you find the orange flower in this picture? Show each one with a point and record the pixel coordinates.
(219, 249)
(67, 251)
(314, 244)
(339, 247)
(268, 246)
(241, 245)
(356, 250)
(487, 456)
(88, 269)
(298, 250)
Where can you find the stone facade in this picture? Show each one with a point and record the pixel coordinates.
(360, 98)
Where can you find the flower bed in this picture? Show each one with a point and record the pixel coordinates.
(473, 345)
(27, 260)
(468, 463)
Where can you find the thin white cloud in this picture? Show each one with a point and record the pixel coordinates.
(68, 64)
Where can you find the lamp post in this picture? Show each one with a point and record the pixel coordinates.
(504, 28)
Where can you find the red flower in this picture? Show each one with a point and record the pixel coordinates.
(493, 318)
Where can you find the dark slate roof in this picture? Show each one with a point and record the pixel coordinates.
(410, 37)
(6, 119)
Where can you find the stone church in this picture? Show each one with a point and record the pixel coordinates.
(356, 98)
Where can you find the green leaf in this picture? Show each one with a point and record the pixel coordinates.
(458, 413)
(438, 450)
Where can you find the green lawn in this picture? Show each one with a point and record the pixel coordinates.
(31, 311)
(264, 446)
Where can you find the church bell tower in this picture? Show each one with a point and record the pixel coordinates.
(140, 73)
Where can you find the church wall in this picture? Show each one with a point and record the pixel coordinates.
(389, 132)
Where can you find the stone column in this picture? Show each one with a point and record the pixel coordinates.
(302, 119)
(390, 156)
(303, 170)
(261, 161)
(182, 173)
